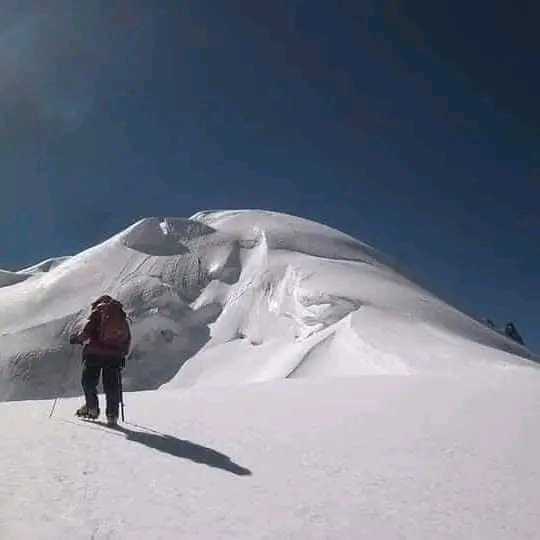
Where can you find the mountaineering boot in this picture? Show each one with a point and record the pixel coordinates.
(82, 411)
(87, 412)
(112, 420)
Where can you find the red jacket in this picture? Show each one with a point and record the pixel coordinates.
(90, 337)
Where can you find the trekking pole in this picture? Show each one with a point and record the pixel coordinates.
(121, 393)
(53, 407)
(62, 377)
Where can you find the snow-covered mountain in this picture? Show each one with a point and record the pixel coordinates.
(299, 386)
(232, 297)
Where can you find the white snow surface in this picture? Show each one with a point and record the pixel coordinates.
(234, 297)
(419, 456)
(285, 381)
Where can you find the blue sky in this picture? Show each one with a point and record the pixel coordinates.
(410, 125)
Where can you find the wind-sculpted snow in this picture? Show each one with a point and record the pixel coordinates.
(233, 297)
(164, 237)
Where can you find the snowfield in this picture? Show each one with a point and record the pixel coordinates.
(285, 381)
(370, 457)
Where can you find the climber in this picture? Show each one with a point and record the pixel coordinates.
(106, 337)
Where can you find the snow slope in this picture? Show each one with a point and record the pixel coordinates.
(234, 297)
(299, 385)
(371, 457)
(10, 278)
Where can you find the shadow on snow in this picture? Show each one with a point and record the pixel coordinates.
(179, 448)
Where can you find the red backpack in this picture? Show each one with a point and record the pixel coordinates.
(113, 331)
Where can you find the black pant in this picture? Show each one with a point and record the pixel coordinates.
(111, 386)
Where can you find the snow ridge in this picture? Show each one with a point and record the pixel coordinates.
(235, 297)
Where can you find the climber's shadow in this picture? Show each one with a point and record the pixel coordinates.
(183, 449)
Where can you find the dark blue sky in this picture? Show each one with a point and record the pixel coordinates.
(413, 126)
